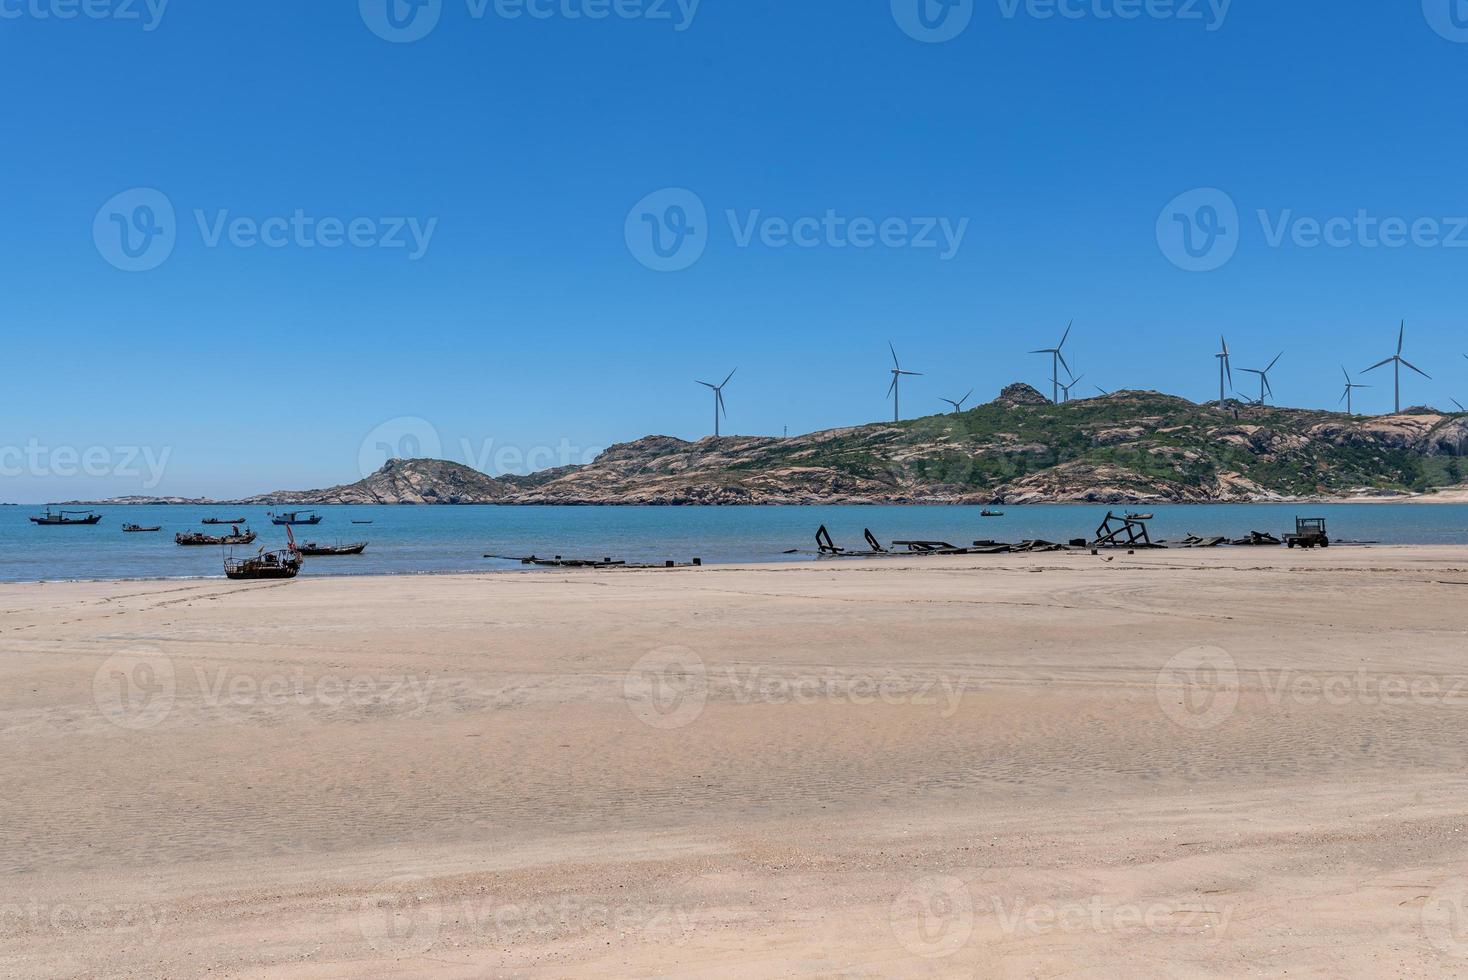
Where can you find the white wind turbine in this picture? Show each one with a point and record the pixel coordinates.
(718, 390)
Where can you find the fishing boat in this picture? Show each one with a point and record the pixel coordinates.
(137, 528)
(196, 538)
(991, 513)
(295, 517)
(221, 520)
(285, 563)
(66, 518)
(361, 522)
(312, 550)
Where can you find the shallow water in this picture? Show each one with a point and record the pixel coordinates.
(407, 540)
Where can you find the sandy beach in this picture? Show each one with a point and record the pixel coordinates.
(1245, 762)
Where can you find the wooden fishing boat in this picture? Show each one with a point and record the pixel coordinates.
(295, 517)
(313, 550)
(991, 513)
(66, 518)
(197, 538)
(282, 564)
(137, 528)
(221, 520)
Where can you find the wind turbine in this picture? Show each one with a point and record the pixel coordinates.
(1350, 386)
(1264, 386)
(718, 390)
(1224, 367)
(1056, 359)
(1073, 382)
(957, 405)
(1396, 360)
(895, 390)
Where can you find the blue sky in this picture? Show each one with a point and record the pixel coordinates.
(532, 320)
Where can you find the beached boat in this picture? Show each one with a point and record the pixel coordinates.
(221, 520)
(312, 550)
(285, 563)
(296, 517)
(199, 538)
(136, 528)
(66, 518)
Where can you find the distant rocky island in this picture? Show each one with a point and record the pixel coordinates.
(1130, 447)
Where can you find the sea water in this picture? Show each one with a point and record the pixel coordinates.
(417, 540)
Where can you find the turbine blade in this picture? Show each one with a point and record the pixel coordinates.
(1062, 360)
(1051, 350)
(1379, 364)
(1275, 361)
(1459, 404)
(1415, 368)
(726, 380)
(1401, 336)
(894, 383)
(1343, 371)
(966, 397)
(1343, 395)
(1065, 336)
(705, 384)
(722, 407)
(894, 354)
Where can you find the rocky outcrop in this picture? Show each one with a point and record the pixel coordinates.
(1130, 447)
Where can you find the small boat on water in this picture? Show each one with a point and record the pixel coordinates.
(66, 518)
(313, 550)
(222, 520)
(197, 538)
(137, 528)
(285, 563)
(289, 518)
(991, 513)
(361, 522)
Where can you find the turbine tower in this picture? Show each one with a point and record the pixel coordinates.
(718, 390)
(1224, 367)
(1396, 360)
(957, 405)
(1056, 359)
(1350, 386)
(896, 390)
(1264, 386)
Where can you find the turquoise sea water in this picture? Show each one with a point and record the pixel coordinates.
(415, 540)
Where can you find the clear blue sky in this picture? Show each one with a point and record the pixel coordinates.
(528, 319)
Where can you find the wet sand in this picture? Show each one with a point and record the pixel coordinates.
(1187, 763)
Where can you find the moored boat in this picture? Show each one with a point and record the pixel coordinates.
(136, 528)
(199, 538)
(311, 549)
(66, 518)
(288, 518)
(285, 563)
(221, 520)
